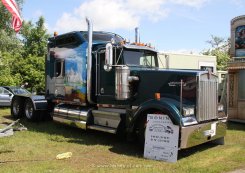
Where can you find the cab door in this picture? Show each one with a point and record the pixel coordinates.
(5, 97)
(106, 80)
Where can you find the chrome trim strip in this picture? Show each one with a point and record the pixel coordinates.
(128, 46)
(74, 123)
(40, 101)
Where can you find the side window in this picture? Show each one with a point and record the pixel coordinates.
(241, 84)
(59, 68)
(206, 68)
(1, 90)
(5, 92)
(102, 60)
(147, 61)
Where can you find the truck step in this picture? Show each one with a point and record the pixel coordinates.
(102, 128)
(106, 118)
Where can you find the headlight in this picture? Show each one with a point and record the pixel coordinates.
(187, 111)
(220, 107)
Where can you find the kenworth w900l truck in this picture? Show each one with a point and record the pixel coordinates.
(95, 80)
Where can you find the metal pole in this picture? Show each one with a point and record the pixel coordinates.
(181, 97)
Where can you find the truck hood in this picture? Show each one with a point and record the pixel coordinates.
(166, 82)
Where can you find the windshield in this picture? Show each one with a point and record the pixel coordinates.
(20, 91)
(140, 58)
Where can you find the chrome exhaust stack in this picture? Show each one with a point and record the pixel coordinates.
(89, 59)
(137, 35)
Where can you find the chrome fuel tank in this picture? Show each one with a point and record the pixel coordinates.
(122, 90)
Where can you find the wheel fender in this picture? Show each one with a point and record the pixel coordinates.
(39, 102)
(161, 105)
(18, 97)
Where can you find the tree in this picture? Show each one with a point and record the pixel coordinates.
(31, 70)
(31, 65)
(220, 48)
(35, 38)
(6, 76)
(22, 58)
(22, 55)
(9, 43)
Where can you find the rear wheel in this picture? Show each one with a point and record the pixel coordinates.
(16, 108)
(30, 112)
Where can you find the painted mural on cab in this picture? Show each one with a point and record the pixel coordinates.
(240, 41)
(70, 78)
(76, 75)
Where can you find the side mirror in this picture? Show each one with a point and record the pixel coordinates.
(108, 57)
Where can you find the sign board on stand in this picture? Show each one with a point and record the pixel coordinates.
(161, 138)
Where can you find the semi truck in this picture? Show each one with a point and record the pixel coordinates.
(96, 80)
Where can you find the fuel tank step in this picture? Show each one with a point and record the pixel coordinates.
(102, 128)
(106, 118)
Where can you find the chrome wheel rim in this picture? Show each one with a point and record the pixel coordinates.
(29, 110)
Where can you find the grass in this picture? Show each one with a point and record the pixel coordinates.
(35, 150)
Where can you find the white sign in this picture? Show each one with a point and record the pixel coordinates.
(161, 138)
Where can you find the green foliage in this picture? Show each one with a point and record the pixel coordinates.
(9, 43)
(16, 70)
(222, 58)
(22, 56)
(6, 76)
(220, 48)
(35, 38)
(31, 70)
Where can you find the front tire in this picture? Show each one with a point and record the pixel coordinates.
(141, 131)
(141, 128)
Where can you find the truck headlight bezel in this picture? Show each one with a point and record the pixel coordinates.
(188, 111)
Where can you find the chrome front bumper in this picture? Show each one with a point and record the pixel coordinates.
(201, 133)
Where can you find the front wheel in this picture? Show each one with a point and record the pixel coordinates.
(141, 128)
(141, 131)
(30, 112)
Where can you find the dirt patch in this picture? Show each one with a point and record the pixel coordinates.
(238, 171)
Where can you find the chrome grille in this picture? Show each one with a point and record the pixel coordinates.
(207, 97)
